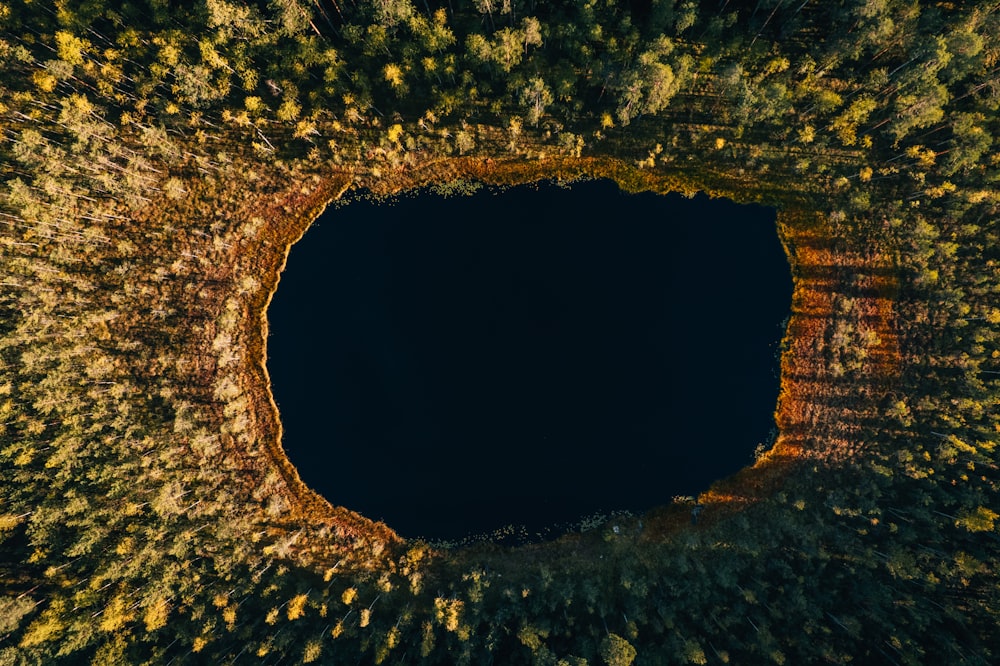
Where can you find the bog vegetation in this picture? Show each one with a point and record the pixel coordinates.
(159, 158)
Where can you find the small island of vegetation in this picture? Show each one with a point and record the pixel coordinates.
(160, 159)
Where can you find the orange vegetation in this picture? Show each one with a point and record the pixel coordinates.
(839, 362)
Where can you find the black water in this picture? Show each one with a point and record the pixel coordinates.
(453, 365)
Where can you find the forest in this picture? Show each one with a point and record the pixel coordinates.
(158, 159)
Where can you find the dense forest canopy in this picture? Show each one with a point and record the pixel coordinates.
(158, 159)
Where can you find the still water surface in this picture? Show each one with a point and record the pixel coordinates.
(453, 365)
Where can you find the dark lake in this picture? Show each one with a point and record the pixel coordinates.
(453, 365)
